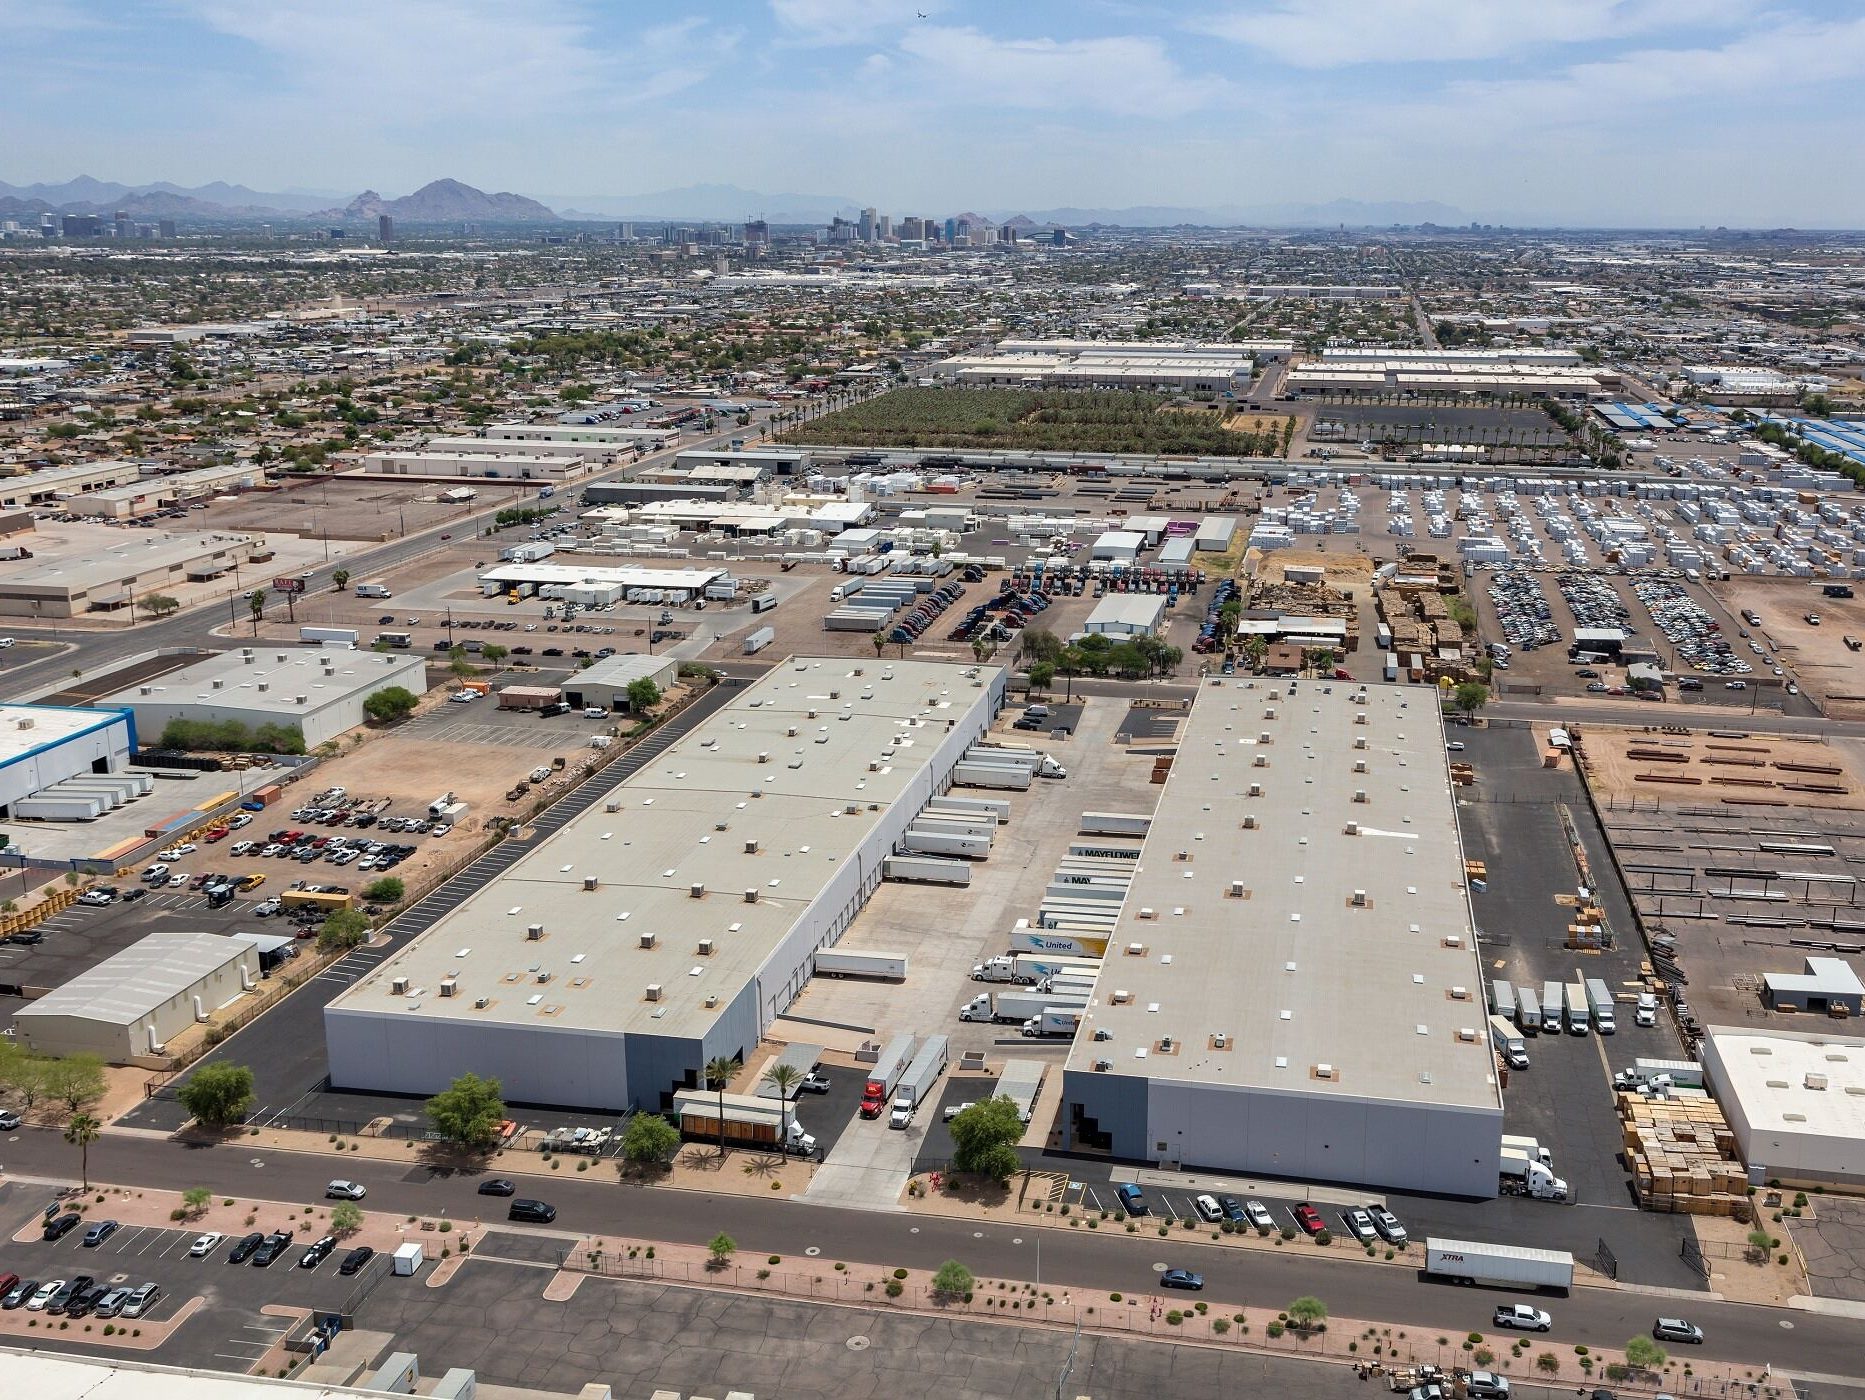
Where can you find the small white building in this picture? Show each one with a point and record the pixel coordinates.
(44, 745)
(130, 1004)
(1118, 546)
(1126, 615)
(605, 685)
(1795, 1101)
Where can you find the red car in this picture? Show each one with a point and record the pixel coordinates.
(219, 833)
(1309, 1219)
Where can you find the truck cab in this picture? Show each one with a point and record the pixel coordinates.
(902, 1114)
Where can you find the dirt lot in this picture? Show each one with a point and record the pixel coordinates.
(355, 507)
(1818, 656)
(1624, 763)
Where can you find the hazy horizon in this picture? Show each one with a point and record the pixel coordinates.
(1600, 113)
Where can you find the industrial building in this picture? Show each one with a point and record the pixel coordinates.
(42, 746)
(605, 685)
(1127, 615)
(139, 563)
(1827, 987)
(58, 483)
(130, 1004)
(591, 585)
(1293, 988)
(609, 435)
(670, 923)
(1258, 349)
(1402, 373)
(485, 461)
(1795, 1101)
(316, 692)
(160, 492)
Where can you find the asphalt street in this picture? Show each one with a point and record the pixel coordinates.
(1077, 1257)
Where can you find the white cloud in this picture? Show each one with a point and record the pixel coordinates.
(1339, 33)
(1128, 76)
(833, 22)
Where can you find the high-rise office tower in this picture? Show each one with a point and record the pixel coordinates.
(385, 229)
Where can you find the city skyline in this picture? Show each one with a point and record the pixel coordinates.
(1585, 112)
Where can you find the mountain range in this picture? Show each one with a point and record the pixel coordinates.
(450, 201)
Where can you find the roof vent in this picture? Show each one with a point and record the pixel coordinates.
(697, 890)
(590, 882)
(751, 894)
(1466, 1033)
(1256, 789)
(1261, 761)
(399, 987)
(1359, 794)
(1359, 765)
(1353, 828)
(1249, 818)
(449, 987)
(648, 940)
(1359, 741)
(764, 757)
(654, 991)
(533, 932)
(1814, 1081)
(1324, 1071)
(751, 846)
(705, 947)
(1359, 899)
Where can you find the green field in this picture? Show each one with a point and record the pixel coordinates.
(1072, 421)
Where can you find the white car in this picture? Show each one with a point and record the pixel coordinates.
(1522, 1318)
(345, 1191)
(177, 880)
(242, 819)
(464, 697)
(96, 898)
(240, 848)
(205, 1245)
(1359, 1224)
(1208, 1207)
(37, 1302)
(1259, 1215)
(952, 1110)
(1455, 746)
(441, 829)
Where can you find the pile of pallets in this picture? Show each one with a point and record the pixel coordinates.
(1476, 870)
(1462, 775)
(1683, 1156)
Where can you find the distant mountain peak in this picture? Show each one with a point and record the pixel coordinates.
(449, 201)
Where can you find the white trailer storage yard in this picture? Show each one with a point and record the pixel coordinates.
(1499, 1265)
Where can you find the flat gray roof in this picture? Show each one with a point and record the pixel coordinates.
(285, 673)
(1289, 971)
(123, 989)
(139, 552)
(860, 741)
(620, 669)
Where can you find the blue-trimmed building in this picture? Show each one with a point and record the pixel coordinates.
(44, 745)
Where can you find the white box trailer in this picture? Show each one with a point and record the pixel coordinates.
(60, 809)
(755, 642)
(1599, 999)
(940, 843)
(1073, 942)
(1114, 824)
(1528, 1011)
(408, 1258)
(1499, 1265)
(1685, 1074)
(929, 1063)
(930, 870)
(1101, 850)
(1502, 999)
(1506, 1040)
(836, 962)
(1115, 890)
(1014, 1008)
(968, 823)
(991, 775)
(994, 807)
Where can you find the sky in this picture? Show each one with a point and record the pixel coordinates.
(1605, 112)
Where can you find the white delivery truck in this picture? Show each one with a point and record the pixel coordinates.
(1507, 1042)
(916, 1085)
(1499, 1265)
(373, 590)
(1528, 1011)
(1578, 1012)
(1599, 998)
(1646, 1012)
(1054, 1021)
(1551, 997)
(1014, 1008)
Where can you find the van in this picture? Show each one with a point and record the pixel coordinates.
(533, 1212)
(1036, 712)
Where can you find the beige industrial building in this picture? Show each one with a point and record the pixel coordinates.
(57, 483)
(138, 563)
(485, 460)
(158, 492)
(604, 686)
(1795, 1101)
(129, 1005)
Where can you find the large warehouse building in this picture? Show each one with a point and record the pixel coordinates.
(42, 746)
(1795, 1101)
(316, 692)
(669, 924)
(1293, 987)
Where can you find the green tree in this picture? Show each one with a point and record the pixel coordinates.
(339, 579)
(81, 1132)
(1254, 650)
(256, 605)
(346, 1218)
(196, 1199)
(783, 1078)
(1322, 659)
(1042, 674)
(494, 654)
(75, 1080)
(643, 695)
(388, 890)
(345, 928)
(719, 1072)
(953, 1280)
(218, 1093)
(1644, 1353)
(649, 1138)
(1306, 1311)
(468, 1112)
(720, 1247)
(392, 702)
(160, 605)
(26, 1077)
(1040, 644)
(985, 1137)
(1470, 697)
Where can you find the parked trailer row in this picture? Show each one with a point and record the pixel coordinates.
(889, 1064)
(917, 1084)
(928, 870)
(920, 842)
(1076, 942)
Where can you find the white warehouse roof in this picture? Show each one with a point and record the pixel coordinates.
(121, 990)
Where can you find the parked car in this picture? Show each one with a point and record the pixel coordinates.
(1233, 1209)
(1132, 1199)
(44, 1294)
(497, 1186)
(275, 1244)
(205, 1245)
(99, 1231)
(1259, 1215)
(1309, 1219)
(19, 1294)
(141, 1299)
(533, 1212)
(1359, 1224)
(1675, 1329)
(354, 1261)
(1388, 1225)
(112, 1302)
(345, 1191)
(1182, 1278)
(317, 1253)
(1208, 1207)
(246, 1248)
(1522, 1318)
(60, 1226)
(9, 1120)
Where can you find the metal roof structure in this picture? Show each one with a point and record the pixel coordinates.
(122, 989)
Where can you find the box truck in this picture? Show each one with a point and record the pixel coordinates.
(1054, 1021)
(834, 962)
(1551, 1008)
(1507, 1041)
(1528, 1011)
(1499, 1265)
(884, 1073)
(1502, 999)
(1575, 995)
(1599, 999)
(1522, 1143)
(373, 590)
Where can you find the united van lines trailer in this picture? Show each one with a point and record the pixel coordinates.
(938, 843)
(1074, 944)
(1499, 1265)
(1114, 824)
(1054, 1021)
(991, 775)
(931, 870)
(834, 962)
(1035, 967)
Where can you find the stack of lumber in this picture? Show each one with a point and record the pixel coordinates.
(1683, 1155)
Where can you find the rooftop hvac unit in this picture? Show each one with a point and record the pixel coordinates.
(1359, 899)
(150, 690)
(1359, 741)
(757, 792)
(791, 732)
(1256, 789)
(1460, 994)
(1136, 950)
(482, 1003)
(705, 947)
(1262, 761)
(712, 1002)
(835, 695)
(1220, 1042)
(246, 651)
(300, 699)
(874, 765)
(1353, 828)
(696, 890)
(1165, 1045)
(1249, 818)
(279, 657)
(751, 846)
(591, 881)
(218, 685)
(1236, 889)
(1466, 1033)
(811, 714)
(1264, 737)
(533, 932)
(1453, 940)
(1103, 1033)
(264, 686)
(648, 940)
(612, 806)
(399, 986)
(1103, 1066)
(1324, 1071)
(543, 977)
(654, 991)
(1359, 765)
(449, 987)
(764, 758)
(1270, 713)
(1146, 914)
(751, 894)
(852, 809)
(1360, 718)
(1121, 997)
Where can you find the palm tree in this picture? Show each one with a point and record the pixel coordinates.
(783, 1078)
(719, 1072)
(81, 1132)
(256, 603)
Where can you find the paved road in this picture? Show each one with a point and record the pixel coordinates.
(285, 1046)
(1079, 1258)
(1556, 709)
